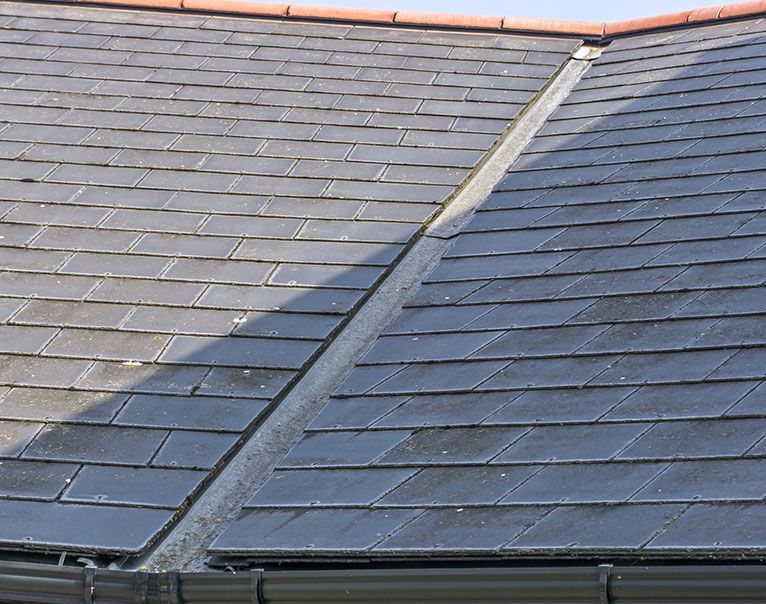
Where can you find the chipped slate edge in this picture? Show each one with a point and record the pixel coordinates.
(591, 30)
(185, 546)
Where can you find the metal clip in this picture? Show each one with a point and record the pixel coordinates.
(169, 587)
(604, 583)
(140, 587)
(256, 587)
(89, 584)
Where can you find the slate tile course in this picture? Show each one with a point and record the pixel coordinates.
(582, 372)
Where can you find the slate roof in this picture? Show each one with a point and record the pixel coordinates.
(190, 206)
(582, 374)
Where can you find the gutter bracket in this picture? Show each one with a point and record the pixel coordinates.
(256, 587)
(605, 583)
(140, 587)
(169, 587)
(89, 584)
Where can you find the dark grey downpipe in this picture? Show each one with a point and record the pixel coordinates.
(40, 583)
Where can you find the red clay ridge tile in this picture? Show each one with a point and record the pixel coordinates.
(522, 24)
(580, 28)
(624, 27)
(341, 14)
(704, 14)
(742, 9)
(233, 6)
(145, 3)
(447, 20)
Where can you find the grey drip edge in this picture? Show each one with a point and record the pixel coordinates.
(185, 546)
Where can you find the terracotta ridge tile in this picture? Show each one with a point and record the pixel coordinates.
(554, 26)
(521, 24)
(246, 7)
(341, 14)
(742, 9)
(450, 20)
(656, 22)
(144, 3)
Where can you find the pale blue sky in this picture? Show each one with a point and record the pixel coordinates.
(584, 10)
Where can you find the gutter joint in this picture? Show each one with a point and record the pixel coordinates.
(605, 583)
(256, 587)
(89, 584)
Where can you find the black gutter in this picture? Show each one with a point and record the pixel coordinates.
(604, 584)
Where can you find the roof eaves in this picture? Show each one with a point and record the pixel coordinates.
(591, 30)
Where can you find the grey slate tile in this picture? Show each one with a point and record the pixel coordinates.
(438, 377)
(572, 443)
(532, 314)
(45, 404)
(462, 530)
(432, 446)
(133, 377)
(238, 352)
(146, 291)
(15, 436)
(674, 401)
(574, 483)
(289, 299)
(747, 363)
(25, 340)
(89, 263)
(310, 530)
(158, 319)
(95, 444)
(339, 448)
(442, 410)
(752, 403)
(430, 319)
(72, 314)
(93, 240)
(226, 271)
(38, 371)
(648, 336)
(193, 450)
(634, 308)
(97, 344)
(132, 486)
(252, 383)
(196, 412)
(317, 487)
(663, 367)
(539, 342)
(708, 480)
(596, 528)
(696, 439)
(356, 277)
(427, 347)
(354, 413)
(286, 325)
(713, 527)
(34, 479)
(559, 405)
(459, 485)
(558, 371)
(82, 527)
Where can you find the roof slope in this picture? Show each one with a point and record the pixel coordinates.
(189, 207)
(582, 373)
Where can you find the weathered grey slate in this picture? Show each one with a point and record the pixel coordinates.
(190, 206)
(582, 374)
